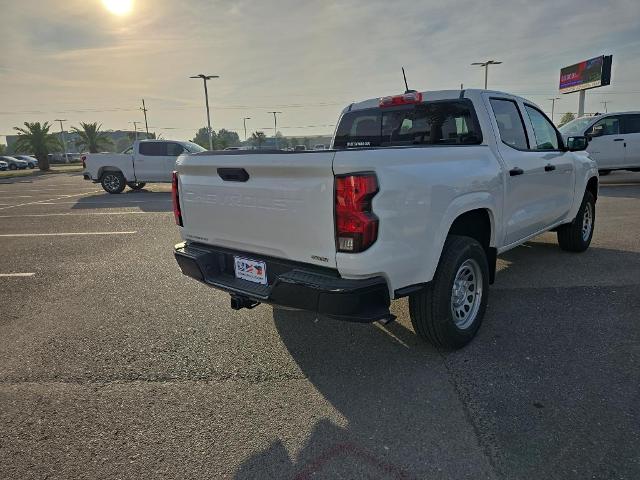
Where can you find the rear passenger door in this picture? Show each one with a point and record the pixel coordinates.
(528, 202)
(631, 129)
(150, 163)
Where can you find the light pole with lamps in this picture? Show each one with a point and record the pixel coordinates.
(486, 69)
(244, 123)
(64, 140)
(553, 107)
(275, 127)
(206, 99)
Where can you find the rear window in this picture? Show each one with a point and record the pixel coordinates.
(451, 122)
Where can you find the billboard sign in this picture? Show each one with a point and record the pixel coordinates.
(592, 73)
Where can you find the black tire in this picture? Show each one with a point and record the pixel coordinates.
(576, 236)
(136, 185)
(32, 166)
(604, 173)
(12, 167)
(432, 309)
(113, 182)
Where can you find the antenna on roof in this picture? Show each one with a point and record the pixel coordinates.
(406, 86)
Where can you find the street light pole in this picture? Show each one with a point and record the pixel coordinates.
(275, 127)
(553, 107)
(486, 69)
(244, 122)
(605, 104)
(135, 128)
(146, 125)
(206, 99)
(64, 141)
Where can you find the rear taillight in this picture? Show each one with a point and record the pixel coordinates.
(83, 158)
(175, 198)
(356, 225)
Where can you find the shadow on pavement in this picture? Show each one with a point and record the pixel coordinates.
(549, 388)
(143, 199)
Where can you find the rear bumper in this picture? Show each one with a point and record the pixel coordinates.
(290, 284)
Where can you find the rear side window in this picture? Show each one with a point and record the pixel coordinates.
(510, 123)
(606, 126)
(153, 149)
(434, 123)
(631, 124)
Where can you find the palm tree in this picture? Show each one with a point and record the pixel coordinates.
(258, 138)
(36, 139)
(91, 138)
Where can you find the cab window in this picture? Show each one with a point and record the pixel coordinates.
(174, 149)
(510, 124)
(153, 149)
(632, 124)
(546, 136)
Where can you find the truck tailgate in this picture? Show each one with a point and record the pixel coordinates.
(283, 209)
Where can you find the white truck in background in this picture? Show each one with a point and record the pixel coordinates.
(144, 162)
(418, 195)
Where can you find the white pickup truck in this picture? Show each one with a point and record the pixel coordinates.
(417, 196)
(145, 161)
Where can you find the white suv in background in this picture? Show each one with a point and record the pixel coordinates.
(614, 139)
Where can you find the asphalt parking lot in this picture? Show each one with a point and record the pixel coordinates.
(114, 365)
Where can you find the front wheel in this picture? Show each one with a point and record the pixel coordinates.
(113, 182)
(576, 236)
(449, 310)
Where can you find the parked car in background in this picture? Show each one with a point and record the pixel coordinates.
(145, 161)
(3, 165)
(320, 146)
(32, 162)
(417, 197)
(614, 139)
(299, 148)
(14, 163)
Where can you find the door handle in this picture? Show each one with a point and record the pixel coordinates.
(549, 168)
(516, 171)
(618, 139)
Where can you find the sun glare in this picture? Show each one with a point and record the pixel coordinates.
(118, 7)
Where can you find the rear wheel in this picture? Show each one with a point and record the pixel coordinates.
(12, 167)
(449, 310)
(136, 185)
(576, 236)
(112, 182)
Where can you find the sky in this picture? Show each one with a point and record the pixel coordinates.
(75, 60)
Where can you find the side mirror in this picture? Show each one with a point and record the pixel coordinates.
(597, 131)
(577, 144)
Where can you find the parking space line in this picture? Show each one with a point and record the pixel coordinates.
(59, 197)
(64, 234)
(82, 214)
(17, 274)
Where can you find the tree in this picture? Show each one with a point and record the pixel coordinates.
(36, 139)
(3, 148)
(226, 138)
(202, 137)
(258, 138)
(566, 118)
(91, 138)
(307, 143)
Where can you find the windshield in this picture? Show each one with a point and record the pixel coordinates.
(193, 147)
(575, 127)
